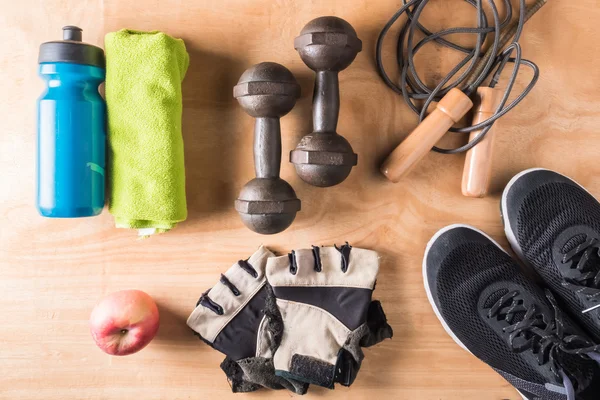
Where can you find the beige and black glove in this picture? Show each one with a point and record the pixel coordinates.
(239, 318)
(324, 297)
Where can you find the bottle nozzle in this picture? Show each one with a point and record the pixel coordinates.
(72, 33)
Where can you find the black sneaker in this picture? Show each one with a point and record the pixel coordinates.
(553, 224)
(491, 309)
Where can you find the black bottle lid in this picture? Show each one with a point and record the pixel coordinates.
(71, 50)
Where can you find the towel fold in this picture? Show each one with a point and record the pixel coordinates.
(144, 71)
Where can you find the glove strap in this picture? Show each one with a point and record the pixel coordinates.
(346, 368)
(318, 372)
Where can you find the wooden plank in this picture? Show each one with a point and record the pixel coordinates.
(52, 272)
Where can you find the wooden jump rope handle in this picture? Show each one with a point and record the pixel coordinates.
(478, 164)
(450, 109)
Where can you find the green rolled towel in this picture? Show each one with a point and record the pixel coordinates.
(144, 71)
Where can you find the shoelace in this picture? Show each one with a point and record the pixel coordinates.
(545, 336)
(589, 281)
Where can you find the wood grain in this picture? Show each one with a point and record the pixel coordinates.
(53, 271)
(478, 160)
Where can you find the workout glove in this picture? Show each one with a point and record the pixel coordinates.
(238, 317)
(324, 297)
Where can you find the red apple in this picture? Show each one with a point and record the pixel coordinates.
(124, 322)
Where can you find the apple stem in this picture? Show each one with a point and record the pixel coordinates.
(123, 331)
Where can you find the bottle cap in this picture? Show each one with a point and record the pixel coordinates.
(71, 50)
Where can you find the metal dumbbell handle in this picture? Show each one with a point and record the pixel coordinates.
(267, 147)
(326, 102)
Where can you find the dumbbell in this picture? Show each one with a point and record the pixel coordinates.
(267, 92)
(327, 45)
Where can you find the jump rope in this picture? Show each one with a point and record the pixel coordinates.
(467, 78)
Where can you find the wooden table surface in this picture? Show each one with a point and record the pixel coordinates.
(53, 271)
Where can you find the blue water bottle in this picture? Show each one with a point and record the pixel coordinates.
(71, 128)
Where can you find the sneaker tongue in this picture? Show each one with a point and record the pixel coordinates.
(493, 299)
(517, 317)
(573, 242)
